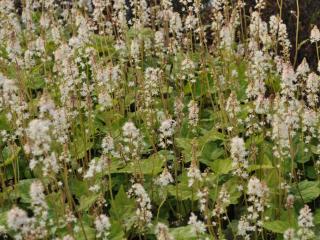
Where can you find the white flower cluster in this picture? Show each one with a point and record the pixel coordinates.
(37, 196)
(289, 234)
(143, 212)
(288, 80)
(194, 174)
(166, 130)
(152, 83)
(198, 227)
(39, 145)
(238, 155)
(312, 88)
(132, 140)
(102, 225)
(305, 229)
(258, 193)
(303, 69)
(162, 232)
(221, 204)
(203, 199)
(165, 178)
(18, 221)
(278, 31)
(35, 226)
(257, 73)
(11, 101)
(193, 113)
(258, 32)
(285, 122)
(108, 146)
(38, 133)
(232, 106)
(305, 223)
(188, 67)
(315, 34)
(40, 209)
(96, 166)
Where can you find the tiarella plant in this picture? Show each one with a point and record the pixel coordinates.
(168, 119)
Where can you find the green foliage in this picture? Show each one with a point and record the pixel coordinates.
(277, 226)
(307, 191)
(122, 209)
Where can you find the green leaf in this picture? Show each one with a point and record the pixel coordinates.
(11, 156)
(185, 145)
(3, 218)
(210, 152)
(301, 155)
(255, 167)
(78, 188)
(277, 226)
(4, 124)
(54, 202)
(315, 149)
(108, 121)
(116, 232)
(255, 139)
(90, 233)
(316, 218)
(86, 202)
(232, 188)
(221, 166)
(22, 190)
(212, 135)
(311, 172)
(308, 190)
(152, 165)
(80, 145)
(123, 209)
(182, 191)
(183, 233)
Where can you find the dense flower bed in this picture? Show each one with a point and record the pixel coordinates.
(132, 120)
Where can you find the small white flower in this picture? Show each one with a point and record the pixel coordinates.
(165, 178)
(193, 174)
(143, 212)
(315, 34)
(198, 227)
(39, 138)
(17, 219)
(193, 113)
(305, 219)
(289, 234)
(162, 232)
(37, 194)
(238, 156)
(166, 132)
(130, 131)
(68, 237)
(102, 225)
